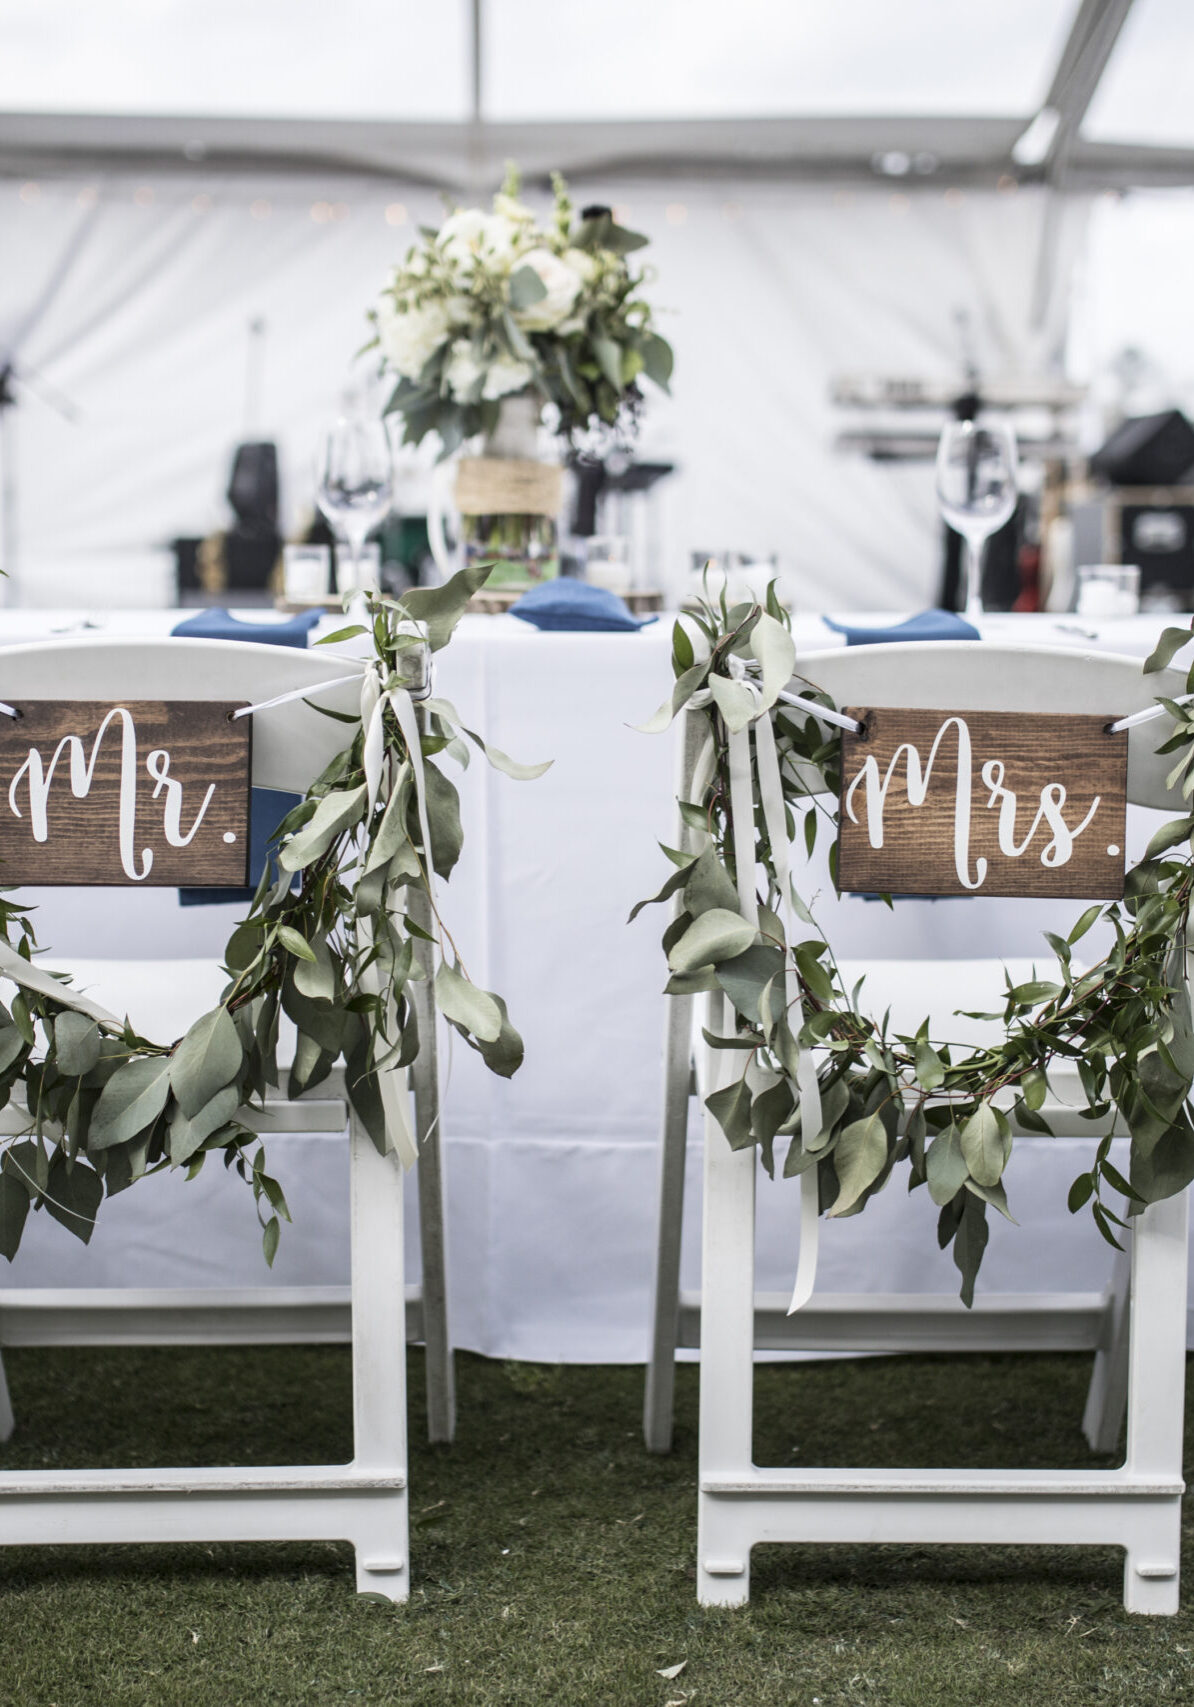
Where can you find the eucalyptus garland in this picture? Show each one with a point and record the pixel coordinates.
(343, 925)
(890, 1098)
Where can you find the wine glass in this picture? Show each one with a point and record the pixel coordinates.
(355, 482)
(976, 489)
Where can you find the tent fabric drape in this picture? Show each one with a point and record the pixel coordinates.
(767, 291)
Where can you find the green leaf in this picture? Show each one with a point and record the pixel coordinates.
(716, 936)
(270, 1234)
(14, 1207)
(315, 974)
(349, 633)
(76, 1043)
(1177, 830)
(734, 700)
(930, 1069)
(439, 609)
(609, 360)
(1080, 1192)
(12, 1041)
(1035, 992)
(131, 1100)
(945, 1166)
(730, 1107)
(208, 1058)
(984, 1146)
(859, 1157)
(746, 976)
(73, 1195)
(526, 288)
(657, 359)
(461, 1001)
(1168, 646)
(1034, 1088)
(676, 881)
(775, 650)
(504, 1055)
(443, 820)
(335, 812)
(295, 943)
(185, 1136)
(709, 886)
(970, 1241)
(685, 687)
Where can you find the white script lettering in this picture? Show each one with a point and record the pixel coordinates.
(1057, 851)
(39, 777)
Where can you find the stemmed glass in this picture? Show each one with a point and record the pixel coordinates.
(976, 489)
(355, 482)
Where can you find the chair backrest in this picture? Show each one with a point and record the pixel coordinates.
(960, 676)
(291, 743)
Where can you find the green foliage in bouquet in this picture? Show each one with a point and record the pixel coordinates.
(891, 1098)
(339, 955)
(493, 305)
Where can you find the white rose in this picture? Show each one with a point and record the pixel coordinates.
(460, 309)
(562, 284)
(583, 263)
(506, 375)
(470, 235)
(463, 373)
(509, 207)
(410, 336)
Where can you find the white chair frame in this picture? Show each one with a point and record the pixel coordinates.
(364, 1501)
(1138, 1327)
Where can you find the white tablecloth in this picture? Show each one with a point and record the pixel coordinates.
(552, 1176)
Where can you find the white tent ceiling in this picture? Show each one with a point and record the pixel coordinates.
(443, 93)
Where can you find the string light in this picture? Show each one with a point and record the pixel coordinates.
(87, 196)
(29, 192)
(321, 212)
(396, 214)
(675, 213)
(1007, 185)
(143, 195)
(201, 203)
(953, 198)
(260, 209)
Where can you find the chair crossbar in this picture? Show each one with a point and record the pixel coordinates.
(912, 1322)
(250, 1315)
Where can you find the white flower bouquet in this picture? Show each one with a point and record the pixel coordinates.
(493, 305)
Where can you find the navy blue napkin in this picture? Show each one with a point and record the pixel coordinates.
(571, 604)
(929, 625)
(222, 625)
(267, 806)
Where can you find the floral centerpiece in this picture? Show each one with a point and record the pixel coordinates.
(494, 320)
(494, 305)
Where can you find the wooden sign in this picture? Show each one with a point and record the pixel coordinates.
(151, 792)
(982, 803)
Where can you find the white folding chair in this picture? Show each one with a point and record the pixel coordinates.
(1139, 1329)
(365, 1501)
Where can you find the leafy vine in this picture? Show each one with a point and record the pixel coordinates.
(343, 926)
(889, 1097)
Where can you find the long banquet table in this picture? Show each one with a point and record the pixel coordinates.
(552, 1176)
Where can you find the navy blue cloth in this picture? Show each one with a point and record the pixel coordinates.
(929, 625)
(222, 625)
(267, 806)
(570, 604)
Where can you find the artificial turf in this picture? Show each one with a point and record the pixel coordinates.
(552, 1557)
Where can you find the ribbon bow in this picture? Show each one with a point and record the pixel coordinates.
(746, 705)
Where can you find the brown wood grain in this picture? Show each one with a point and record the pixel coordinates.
(918, 855)
(83, 836)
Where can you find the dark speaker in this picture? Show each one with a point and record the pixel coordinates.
(1160, 538)
(1147, 450)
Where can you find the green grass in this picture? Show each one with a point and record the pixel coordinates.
(553, 1558)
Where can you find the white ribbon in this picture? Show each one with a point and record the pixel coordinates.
(771, 799)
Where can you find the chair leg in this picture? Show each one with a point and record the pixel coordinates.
(1107, 1396)
(441, 1375)
(660, 1388)
(659, 1396)
(1156, 1400)
(382, 1531)
(7, 1421)
(725, 1525)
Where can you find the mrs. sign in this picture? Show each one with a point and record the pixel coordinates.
(152, 792)
(982, 803)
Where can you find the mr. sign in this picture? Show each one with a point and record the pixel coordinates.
(982, 803)
(150, 792)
